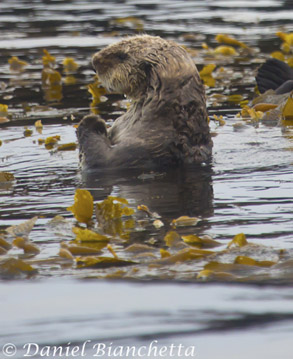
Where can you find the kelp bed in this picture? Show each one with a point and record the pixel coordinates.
(103, 244)
(113, 237)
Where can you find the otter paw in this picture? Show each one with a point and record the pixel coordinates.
(92, 123)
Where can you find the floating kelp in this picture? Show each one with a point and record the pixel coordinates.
(112, 208)
(11, 267)
(27, 132)
(145, 209)
(51, 78)
(200, 242)
(82, 249)
(39, 126)
(16, 64)
(51, 141)
(269, 107)
(158, 223)
(239, 241)
(23, 229)
(6, 176)
(187, 256)
(287, 45)
(183, 255)
(252, 262)
(287, 112)
(26, 245)
(48, 59)
(97, 91)
(5, 244)
(70, 65)
(226, 39)
(225, 50)
(185, 221)
(67, 147)
(219, 120)
(172, 239)
(86, 235)
(66, 254)
(3, 111)
(83, 206)
(206, 75)
(250, 115)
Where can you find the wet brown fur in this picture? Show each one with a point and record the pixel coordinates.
(166, 124)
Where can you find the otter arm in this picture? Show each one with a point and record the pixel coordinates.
(99, 154)
(96, 151)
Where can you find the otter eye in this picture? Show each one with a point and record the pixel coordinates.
(121, 56)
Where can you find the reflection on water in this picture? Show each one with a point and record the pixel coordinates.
(171, 193)
(247, 189)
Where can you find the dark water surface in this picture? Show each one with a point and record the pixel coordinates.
(248, 187)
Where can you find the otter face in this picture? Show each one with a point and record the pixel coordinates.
(124, 67)
(109, 67)
(119, 68)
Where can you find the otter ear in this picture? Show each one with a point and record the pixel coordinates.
(151, 74)
(121, 56)
(146, 67)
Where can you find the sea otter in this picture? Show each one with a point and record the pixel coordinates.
(275, 75)
(167, 123)
(274, 79)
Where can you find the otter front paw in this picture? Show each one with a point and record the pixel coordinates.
(92, 123)
(94, 145)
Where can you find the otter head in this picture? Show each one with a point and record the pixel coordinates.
(122, 67)
(128, 66)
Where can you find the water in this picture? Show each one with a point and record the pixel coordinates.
(137, 314)
(247, 189)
